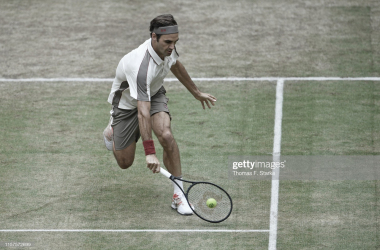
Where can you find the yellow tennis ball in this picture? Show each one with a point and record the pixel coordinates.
(211, 203)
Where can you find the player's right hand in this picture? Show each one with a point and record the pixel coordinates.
(153, 163)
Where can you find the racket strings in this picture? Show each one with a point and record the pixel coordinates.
(198, 195)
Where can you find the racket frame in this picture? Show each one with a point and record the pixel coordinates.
(193, 183)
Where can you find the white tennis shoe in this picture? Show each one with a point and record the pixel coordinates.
(108, 135)
(179, 203)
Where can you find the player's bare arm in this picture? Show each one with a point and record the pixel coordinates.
(145, 125)
(180, 72)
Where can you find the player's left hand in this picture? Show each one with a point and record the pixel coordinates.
(206, 98)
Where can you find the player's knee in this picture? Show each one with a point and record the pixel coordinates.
(167, 138)
(125, 164)
(125, 157)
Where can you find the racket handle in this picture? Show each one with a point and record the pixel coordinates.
(166, 173)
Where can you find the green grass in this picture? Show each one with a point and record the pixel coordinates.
(57, 174)
(331, 118)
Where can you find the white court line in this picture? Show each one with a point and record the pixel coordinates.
(199, 79)
(276, 158)
(135, 230)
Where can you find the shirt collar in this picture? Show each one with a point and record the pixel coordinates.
(153, 53)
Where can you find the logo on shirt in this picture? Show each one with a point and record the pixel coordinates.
(163, 30)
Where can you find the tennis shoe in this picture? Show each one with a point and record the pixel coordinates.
(108, 135)
(179, 203)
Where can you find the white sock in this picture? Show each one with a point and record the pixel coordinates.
(176, 188)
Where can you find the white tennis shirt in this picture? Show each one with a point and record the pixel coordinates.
(139, 76)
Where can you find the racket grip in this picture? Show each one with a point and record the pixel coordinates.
(166, 173)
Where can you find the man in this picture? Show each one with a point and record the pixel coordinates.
(140, 105)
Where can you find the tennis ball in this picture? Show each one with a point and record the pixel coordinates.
(211, 203)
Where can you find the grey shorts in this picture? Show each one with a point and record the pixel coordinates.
(126, 124)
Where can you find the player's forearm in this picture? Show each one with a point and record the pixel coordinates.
(145, 124)
(180, 72)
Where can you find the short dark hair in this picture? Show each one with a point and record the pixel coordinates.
(161, 21)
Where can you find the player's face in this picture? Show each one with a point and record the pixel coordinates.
(165, 46)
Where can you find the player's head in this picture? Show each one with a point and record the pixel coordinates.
(161, 21)
(164, 34)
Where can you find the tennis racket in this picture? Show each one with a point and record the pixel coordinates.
(197, 195)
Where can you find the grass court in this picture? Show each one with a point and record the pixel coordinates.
(60, 187)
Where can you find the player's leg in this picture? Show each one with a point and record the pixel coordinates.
(126, 133)
(126, 156)
(161, 128)
(160, 117)
(171, 158)
(161, 122)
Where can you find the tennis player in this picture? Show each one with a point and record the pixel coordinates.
(139, 104)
